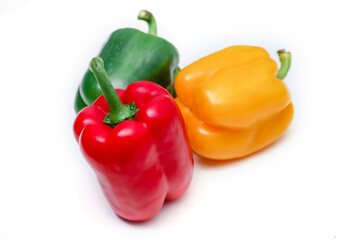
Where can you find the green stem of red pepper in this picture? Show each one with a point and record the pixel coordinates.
(118, 111)
(149, 18)
(285, 59)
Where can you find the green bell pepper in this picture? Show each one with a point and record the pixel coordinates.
(129, 56)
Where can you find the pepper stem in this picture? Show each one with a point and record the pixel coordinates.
(285, 59)
(149, 18)
(118, 111)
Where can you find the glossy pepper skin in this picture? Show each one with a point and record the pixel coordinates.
(142, 160)
(234, 102)
(131, 55)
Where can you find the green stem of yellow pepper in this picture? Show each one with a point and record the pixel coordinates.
(285, 59)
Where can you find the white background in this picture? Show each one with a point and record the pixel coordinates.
(305, 186)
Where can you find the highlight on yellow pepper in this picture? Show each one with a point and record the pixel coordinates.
(234, 101)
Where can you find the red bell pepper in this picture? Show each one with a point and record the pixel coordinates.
(140, 153)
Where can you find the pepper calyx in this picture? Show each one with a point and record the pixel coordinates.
(133, 109)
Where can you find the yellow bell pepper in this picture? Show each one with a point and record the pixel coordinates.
(234, 101)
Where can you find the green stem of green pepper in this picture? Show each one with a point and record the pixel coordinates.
(285, 59)
(118, 111)
(149, 18)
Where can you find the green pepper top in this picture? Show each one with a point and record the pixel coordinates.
(129, 56)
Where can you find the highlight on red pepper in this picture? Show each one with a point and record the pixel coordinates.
(135, 142)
